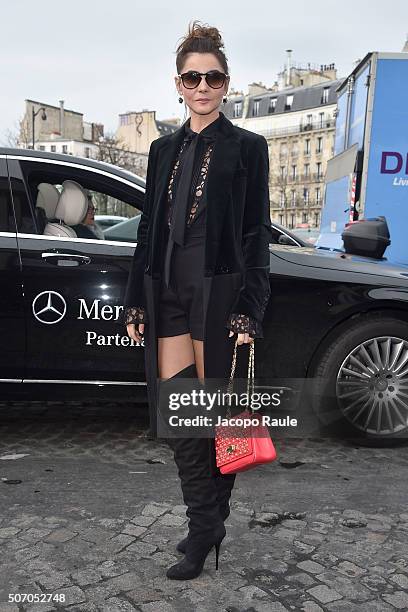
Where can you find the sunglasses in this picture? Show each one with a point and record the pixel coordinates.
(214, 78)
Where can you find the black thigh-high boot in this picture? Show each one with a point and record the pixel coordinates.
(224, 484)
(194, 462)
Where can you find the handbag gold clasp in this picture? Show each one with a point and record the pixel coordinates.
(231, 448)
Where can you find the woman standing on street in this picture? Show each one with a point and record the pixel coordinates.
(200, 268)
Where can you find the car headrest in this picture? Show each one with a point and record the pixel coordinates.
(72, 204)
(47, 198)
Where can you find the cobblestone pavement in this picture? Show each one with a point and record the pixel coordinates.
(92, 510)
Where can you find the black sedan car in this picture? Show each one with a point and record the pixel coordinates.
(336, 320)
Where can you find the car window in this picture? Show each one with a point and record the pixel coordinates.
(6, 213)
(276, 235)
(67, 202)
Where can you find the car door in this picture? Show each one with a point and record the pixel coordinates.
(73, 287)
(12, 323)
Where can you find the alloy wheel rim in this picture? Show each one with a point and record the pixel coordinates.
(372, 386)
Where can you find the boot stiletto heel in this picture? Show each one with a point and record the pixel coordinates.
(196, 553)
(217, 552)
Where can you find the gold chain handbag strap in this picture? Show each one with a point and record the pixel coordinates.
(251, 373)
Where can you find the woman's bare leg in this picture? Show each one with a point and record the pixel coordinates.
(174, 354)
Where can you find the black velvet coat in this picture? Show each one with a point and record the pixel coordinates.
(236, 271)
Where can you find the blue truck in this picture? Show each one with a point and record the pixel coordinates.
(368, 176)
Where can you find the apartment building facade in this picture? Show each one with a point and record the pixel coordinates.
(297, 117)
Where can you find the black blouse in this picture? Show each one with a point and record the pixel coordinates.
(238, 323)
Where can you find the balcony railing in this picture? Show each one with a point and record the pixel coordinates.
(296, 129)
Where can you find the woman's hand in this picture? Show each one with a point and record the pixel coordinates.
(242, 338)
(134, 333)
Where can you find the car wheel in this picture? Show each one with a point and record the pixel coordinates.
(361, 380)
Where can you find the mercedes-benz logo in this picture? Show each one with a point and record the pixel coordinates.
(49, 307)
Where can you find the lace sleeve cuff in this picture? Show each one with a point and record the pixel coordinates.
(135, 314)
(241, 324)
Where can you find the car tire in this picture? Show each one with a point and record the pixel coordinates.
(360, 383)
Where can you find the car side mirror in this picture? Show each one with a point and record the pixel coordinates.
(284, 239)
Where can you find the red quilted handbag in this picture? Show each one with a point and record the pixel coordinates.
(241, 448)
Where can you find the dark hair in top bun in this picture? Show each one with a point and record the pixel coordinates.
(201, 39)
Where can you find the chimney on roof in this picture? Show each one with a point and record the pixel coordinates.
(288, 66)
(61, 121)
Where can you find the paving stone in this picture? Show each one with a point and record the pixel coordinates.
(311, 566)
(8, 532)
(53, 580)
(73, 595)
(324, 594)
(142, 593)
(252, 591)
(179, 510)
(157, 606)
(400, 579)
(86, 576)
(143, 520)
(133, 530)
(301, 578)
(164, 559)
(114, 604)
(303, 547)
(270, 606)
(311, 606)
(33, 534)
(142, 549)
(399, 599)
(155, 510)
(350, 569)
(171, 520)
(60, 535)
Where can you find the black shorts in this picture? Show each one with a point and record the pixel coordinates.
(181, 305)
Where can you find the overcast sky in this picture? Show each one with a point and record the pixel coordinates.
(104, 58)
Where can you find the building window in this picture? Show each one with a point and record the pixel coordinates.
(292, 222)
(87, 152)
(289, 101)
(319, 144)
(318, 196)
(307, 170)
(293, 197)
(124, 119)
(282, 199)
(317, 221)
(283, 150)
(237, 109)
(294, 172)
(309, 120)
(255, 108)
(272, 105)
(41, 148)
(319, 170)
(306, 196)
(307, 146)
(321, 119)
(281, 219)
(65, 148)
(304, 218)
(283, 172)
(53, 148)
(325, 95)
